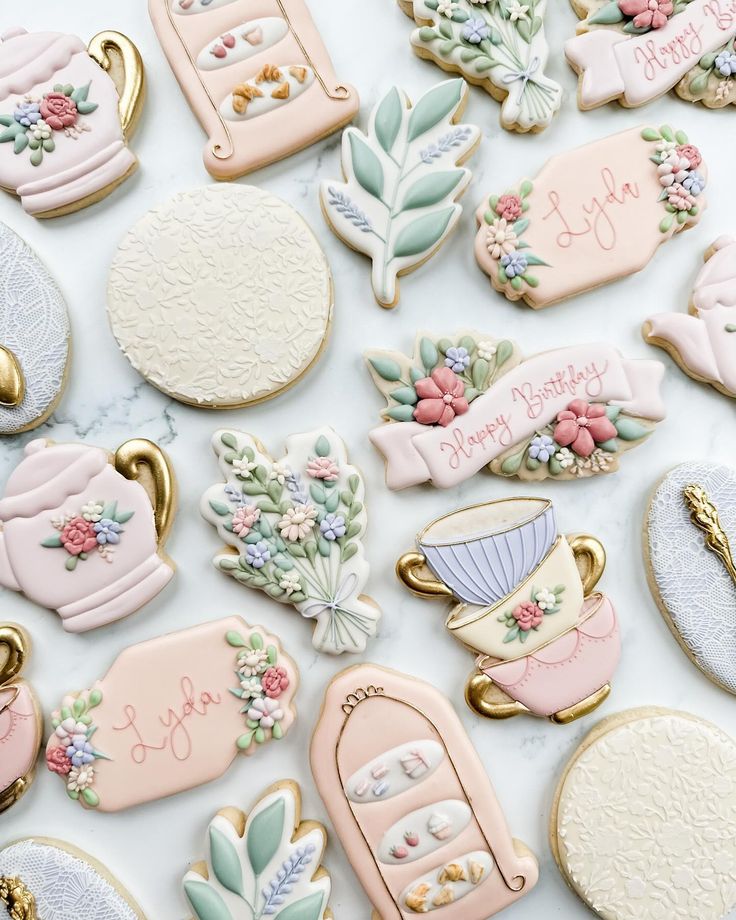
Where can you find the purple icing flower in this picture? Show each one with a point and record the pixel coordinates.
(514, 264)
(457, 359)
(27, 113)
(475, 30)
(80, 751)
(257, 554)
(333, 526)
(542, 448)
(694, 183)
(726, 63)
(108, 531)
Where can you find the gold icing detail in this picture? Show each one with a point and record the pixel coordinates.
(359, 696)
(15, 643)
(12, 381)
(416, 900)
(18, 899)
(704, 515)
(281, 92)
(269, 73)
(299, 73)
(407, 569)
(125, 68)
(158, 479)
(337, 92)
(443, 897)
(453, 872)
(242, 95)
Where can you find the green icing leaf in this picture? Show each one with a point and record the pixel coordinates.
(667, 133)
(485, 63)
(90, 798)
(309, 908)
(434, 105)
(504, 350)
(244, 741)
(428, 353)
(235, 640)
(432, 188)
(86, 108)
(407, 396)
(349, 550)
(629, 430)
(322, 447)
(256, 640)
(526, 188)
(423, 233)
(333, 500)
(21, 142)
(388, 119)
(219, 508)
(607, 15)
(225, 862)
(95, 698)
(52, 542)
(229, 440)
(554, 466)
(707, 61)
(426, 34)
(480, 372)
(366, 166)
(535, 260)
(699, 84)
(206, 902)
(612, 413)
(78, 707)
(386, 369)
(401, 413)
(264, 834)
(651, 134)
(524, 28)
(511, 464)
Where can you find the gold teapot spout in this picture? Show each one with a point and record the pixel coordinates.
(12, 381)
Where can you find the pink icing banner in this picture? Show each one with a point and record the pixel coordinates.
(524, 400)
(640, 68)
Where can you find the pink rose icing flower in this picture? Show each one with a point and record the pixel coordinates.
(509, 207)
(275, 681)
(528, 616)
(582, 426)
(58, 762)
(441, 398)
(78, 536)
(58, 111)
(690, 153)
(323, 468)
(648, 14)
(244, 519)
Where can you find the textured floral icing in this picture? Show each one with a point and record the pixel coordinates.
(263, 87)
(218, 341)
(399, 201)
(166, 717)
(471, 401)
(645, 824)
(636, 50)
(689, 580)
(272, 867)
(498, 45)
(34, 327)
(371, 720)
(591, 215)
(296, 527)
(704, 342)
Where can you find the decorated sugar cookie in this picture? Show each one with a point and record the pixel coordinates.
(498, 45)
(591, 216)
(644, 818)
(523, 602)
(42, 878)
(704, 343)
(263, 864)
(690, 548)
(66, 112)
(258, 78)
(173, 713)
(636, 50)
(21, 723)
(399, 201)
(294, 528)
(468, 401)
(221, 296)
(34, 337)
(83, 530)
(411, 801)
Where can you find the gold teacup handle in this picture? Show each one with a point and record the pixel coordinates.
(125, 68)
(129, 458)
(12, 381)
(17, 898)
(488, 700)
(590, 557)
(407, 568)
(16, 643)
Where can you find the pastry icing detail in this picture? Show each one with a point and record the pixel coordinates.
(241, 42)
(258, 96)
(439, 823)
(448, 884)
(410, 763)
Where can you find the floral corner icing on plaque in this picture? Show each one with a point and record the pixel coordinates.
(677, 163)
(296, 528)
(71, 752)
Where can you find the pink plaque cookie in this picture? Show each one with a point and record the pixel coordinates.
(592, 215)
(172, 714)
(411, 801)
(256, 74)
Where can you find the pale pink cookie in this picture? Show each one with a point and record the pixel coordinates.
(258, 78)
(65, 122)
(467, 401)
(523, 602)
(591, 216)
(83, 530)
(173, 713)
(634, 51)
(411, 801)
(704, 343)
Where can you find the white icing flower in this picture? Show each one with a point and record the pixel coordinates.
(251, 688)
(486, 350)
(243, 468)
(297, 522)
(253, 662)
(665, 146)
(279, 473)
(500, 238)
(545, 599)
(92, 511)
(266, 712)
(518, 12)
(290, 582)
(565, 457)
(447, 7)
(674, 168)
(80, 778)
(40, 131)
(479, 2)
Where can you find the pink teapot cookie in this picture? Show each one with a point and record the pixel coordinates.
(66, 112)
(78, 517)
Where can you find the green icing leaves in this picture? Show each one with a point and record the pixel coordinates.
(422, 234)
(322, 447)
(607, 15)
(309, 908)
(388, 119)
(225, 862)
(206, 902)
(366, 166)
(434, 107)
(432, 188)
(386, 368)
(265, 831)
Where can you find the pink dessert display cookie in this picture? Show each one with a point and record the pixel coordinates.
(173, 713)
(20, 718)
(591, 216)
(703, 342)
(257, 76)
(64, 120)
(468, 401)
(83, 530)
(411, 801)
(523, 602)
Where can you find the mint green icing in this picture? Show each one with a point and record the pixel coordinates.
(206, 902)
(225, 862)
(264, 835)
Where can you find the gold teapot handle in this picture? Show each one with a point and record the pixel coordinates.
(125, 68)
(17, 897)
(160, 482)
(407, 568)
(590, 557)
(17, 644)
(12, 381)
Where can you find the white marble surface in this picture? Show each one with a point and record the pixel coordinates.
(106, 402)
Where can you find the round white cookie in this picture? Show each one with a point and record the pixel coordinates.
(689, 581)
(221, 297)
(34, 336)
(644, 820)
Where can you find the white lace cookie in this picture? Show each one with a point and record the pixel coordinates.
(644, 819)
(690, 550)
(53, 880)
(34, 337)
(221, 297)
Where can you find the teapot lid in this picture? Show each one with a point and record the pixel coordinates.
(47, 475)
(30, 58)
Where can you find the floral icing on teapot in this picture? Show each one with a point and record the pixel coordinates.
(77, 515)
(20, 718)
